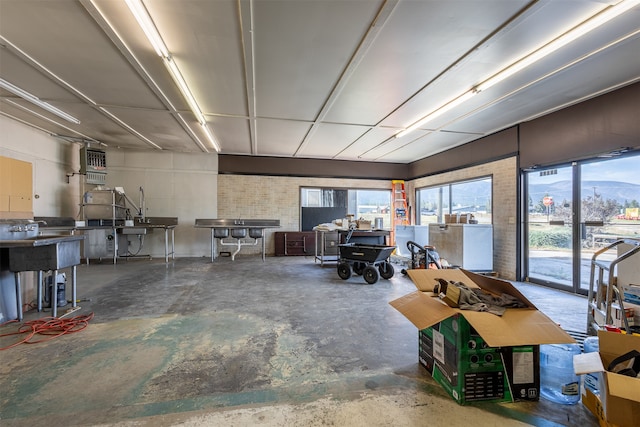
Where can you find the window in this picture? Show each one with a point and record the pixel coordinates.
(330, 202)
(462, 197)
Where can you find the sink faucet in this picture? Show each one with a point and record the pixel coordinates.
(143, 207)
(23, 227)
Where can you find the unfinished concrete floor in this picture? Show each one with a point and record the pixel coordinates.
(234, 343)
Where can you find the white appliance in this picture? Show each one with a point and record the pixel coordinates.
(469, 246)
(414, 233)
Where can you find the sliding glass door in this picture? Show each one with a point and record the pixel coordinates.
(573, 211)
(549, 226)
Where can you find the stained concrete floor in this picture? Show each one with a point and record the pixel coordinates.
(235, 343)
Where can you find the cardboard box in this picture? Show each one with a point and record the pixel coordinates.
(594, 405)
(619, 401)
(450, 218)
(363, 224)
(469, 370)
(478, 355)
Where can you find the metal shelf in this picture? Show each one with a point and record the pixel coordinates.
(601, 293)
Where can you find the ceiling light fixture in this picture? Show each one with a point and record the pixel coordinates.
(148, 27)
(577, 32)
(182, 85)
(571, 35)
(41, 116)
(37, 101)
(209, 134)
(446, 107)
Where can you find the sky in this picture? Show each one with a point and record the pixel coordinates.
(623, 170)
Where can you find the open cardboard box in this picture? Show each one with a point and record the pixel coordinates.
(517, 330)
(619, 400)
(518, 326)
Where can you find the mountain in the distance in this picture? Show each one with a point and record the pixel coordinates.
(561, 190)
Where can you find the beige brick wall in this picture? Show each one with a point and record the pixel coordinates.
(273, 197)
(504, 174)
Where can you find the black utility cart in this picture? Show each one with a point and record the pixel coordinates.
(366, 260)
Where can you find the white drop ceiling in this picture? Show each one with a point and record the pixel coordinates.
(330, 79)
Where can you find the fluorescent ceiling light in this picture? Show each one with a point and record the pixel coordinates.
(213, 141)
(571, 35)
(147, 25)
(37, 101)
(561, 41)
(182, 85)
(42, 116)
(448, 106)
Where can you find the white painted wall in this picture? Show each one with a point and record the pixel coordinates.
(52, 159)
(180, 185)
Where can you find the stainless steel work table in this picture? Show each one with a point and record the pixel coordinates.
(43, 253)
(141, 226)
(326, 246)
(169, 230)
(236, 229)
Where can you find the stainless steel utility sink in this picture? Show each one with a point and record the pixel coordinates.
(237, 223)
(236, 230)
(43, 253)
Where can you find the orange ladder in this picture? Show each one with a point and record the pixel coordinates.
(400, 210)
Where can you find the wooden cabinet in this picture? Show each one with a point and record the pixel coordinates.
(295, 243)
(16, 188)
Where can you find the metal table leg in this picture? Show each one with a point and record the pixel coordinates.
(54, 294)
(74, 293)
(166, 245)
(18, 296)
(39, 290)
(173, 243)
(212, 244)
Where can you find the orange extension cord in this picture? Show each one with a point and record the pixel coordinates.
(51, 327)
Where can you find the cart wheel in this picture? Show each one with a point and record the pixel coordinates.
(386, 270)
(344, 270)
(358, 267)
(370, 275)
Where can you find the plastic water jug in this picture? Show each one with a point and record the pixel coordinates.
(592, 381)
(558, 382)
(59, 290)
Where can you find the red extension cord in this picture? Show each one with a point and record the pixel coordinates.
(51, 327)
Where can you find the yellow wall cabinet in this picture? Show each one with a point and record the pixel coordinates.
(16, 189)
